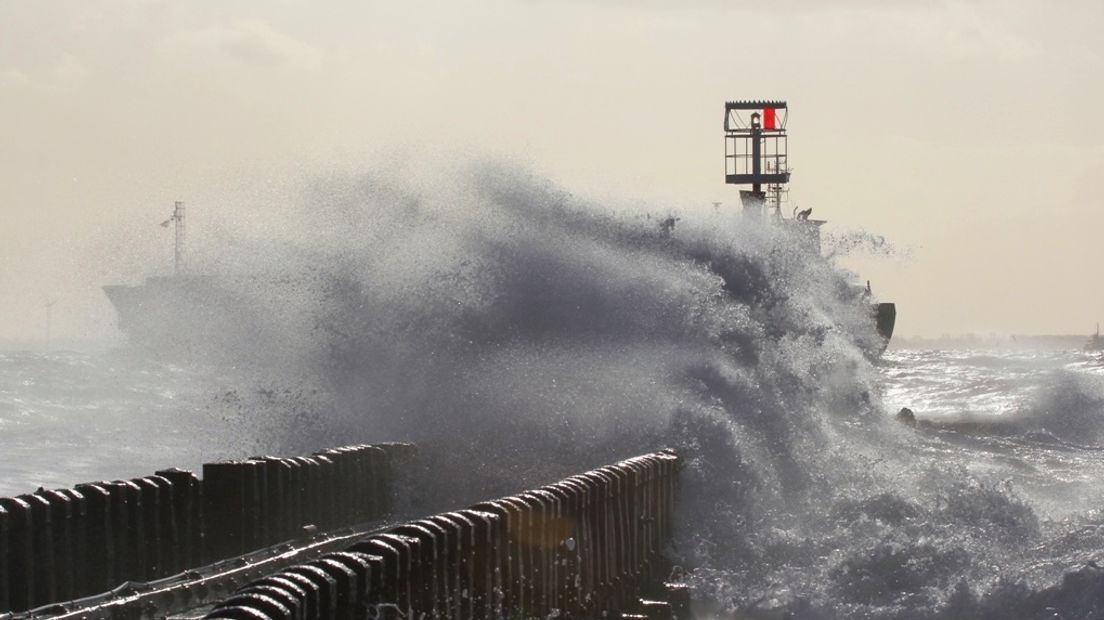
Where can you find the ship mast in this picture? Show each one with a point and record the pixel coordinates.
(178, 220)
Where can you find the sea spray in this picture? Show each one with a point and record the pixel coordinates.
(519, 334)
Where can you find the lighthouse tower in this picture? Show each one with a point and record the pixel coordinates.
(755, 153)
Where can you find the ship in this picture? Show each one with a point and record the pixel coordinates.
(183, 315)
(756, 144)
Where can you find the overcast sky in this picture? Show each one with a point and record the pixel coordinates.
(968, 133)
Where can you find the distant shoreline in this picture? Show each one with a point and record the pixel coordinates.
(991, 341)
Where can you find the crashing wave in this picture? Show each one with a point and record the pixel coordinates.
(520, 334)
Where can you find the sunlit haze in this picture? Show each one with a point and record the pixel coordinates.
(968, 134)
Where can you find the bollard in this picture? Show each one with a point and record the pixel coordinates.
(141, 554)
(534, 540)
(328, 498)
(275, 514)
(5, 603)
(440, 570)
(588, 488)
(307, 491)
(293, 496)
(647, 517)
(382, 468)
(606, 537)
(378, 487)
(625, 519)
(126, 524)
(565, 534)
(262, 533)
(231, 497)
(611, 540)
(623, 537)
(394, 461)
(314, 496)
(170, 542)
(512, 577)
(632, 477)
(636, 520)
(482, 545)
(18, 579)
(657, 564)
(347, 473)
(365, 481)
(288, 515)
(78, 543)
(559, 526)
(355, 480)
(184, 487)
(574, 549)
(61, 523)
(97, 561)
(456, 577)
(369, 467)
(671, 492)
(151, 527)
(254, 535)
(339, 489)
(139, 549)
(42, 550)
(521, 521)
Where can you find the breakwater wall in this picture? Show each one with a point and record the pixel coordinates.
(587, 546)
(64, 544)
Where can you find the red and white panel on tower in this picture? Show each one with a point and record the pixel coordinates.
(770, 119)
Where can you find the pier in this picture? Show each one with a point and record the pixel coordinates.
(314, 537)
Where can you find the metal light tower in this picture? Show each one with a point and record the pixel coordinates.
(755, 151)
(178, 219)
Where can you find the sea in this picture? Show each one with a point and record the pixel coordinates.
(518, 335)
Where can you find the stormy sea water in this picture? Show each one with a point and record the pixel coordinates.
(518, 335)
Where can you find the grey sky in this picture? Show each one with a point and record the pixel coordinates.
(966, 132)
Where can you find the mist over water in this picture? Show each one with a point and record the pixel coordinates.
(518, 335)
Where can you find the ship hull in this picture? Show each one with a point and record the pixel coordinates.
(885, 319)
(183, 316)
